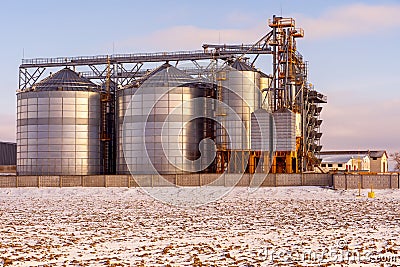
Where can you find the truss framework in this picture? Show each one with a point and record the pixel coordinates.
(288, 86)
(126, 67)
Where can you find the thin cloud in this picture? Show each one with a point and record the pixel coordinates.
(351, 20)
(345, 21)
(361, 126)
(191, 37)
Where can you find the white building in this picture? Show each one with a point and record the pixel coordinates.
(350, 161)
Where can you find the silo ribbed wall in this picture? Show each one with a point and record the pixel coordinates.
(156, 129)
(58, 133)
(58, 127)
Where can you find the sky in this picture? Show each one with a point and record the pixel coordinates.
(352, 48)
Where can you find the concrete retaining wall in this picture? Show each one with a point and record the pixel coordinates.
(317, 179)
(188, 180)
(117, 180)
(93, 181)
(49, 181)
(379, 181)
(213, 179)
(288, 180)
(8, 181)
(27, 181)
(338, 181)
(71, 181)
(168, 180)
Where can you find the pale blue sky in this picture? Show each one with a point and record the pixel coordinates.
(352, 47)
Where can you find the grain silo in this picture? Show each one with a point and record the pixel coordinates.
(124, 97)
(58, 123)
(162, 122)
(239, 90)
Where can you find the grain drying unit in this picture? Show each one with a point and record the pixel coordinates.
(151, 113)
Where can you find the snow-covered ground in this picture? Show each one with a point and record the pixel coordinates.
(287, 226)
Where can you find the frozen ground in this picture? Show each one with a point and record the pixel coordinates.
(292, 226)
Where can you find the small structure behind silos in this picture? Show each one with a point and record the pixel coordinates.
(8, 153)
(58, 126)
(8, 157)
(285, 160)
(238, 88)
(162, 122)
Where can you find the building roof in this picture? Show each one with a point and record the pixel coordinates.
(377, 154)
(8, 143)
(371, 153)
(343, 156)
(340, 158)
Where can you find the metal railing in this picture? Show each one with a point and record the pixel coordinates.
(221, 52)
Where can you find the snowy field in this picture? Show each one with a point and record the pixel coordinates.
(292, 226)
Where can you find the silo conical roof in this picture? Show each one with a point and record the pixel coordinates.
(264, 75)
(65, 80)
(242, 66)
(167, 75)
(283, 110)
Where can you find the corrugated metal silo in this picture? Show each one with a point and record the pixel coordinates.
(124, 97)
(240, 91)
(58, 127)
(158, 131)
